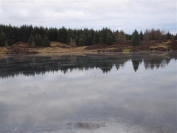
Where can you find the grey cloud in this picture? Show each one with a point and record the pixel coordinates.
(122, 14)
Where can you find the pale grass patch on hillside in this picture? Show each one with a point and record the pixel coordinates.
(56, 47)
(20, 44)
(58, 44)
(127, 49)
(50, 50)
(162, 44)
(59, 50)
(3, 50)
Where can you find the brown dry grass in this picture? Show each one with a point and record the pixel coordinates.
(58, 50)
(57, 47)
(58, 44)
(162, 44)
(3, 50)
(127, 49)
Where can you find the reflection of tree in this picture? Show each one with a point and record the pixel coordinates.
(120, 63)
(32, 65)
(156, 63)
(40, 64)
(106, 67)
(136, 61)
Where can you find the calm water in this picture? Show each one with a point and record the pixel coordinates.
(97, 93)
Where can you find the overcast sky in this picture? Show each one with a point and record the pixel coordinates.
(115, 14)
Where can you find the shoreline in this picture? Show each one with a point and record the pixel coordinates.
(111, 54)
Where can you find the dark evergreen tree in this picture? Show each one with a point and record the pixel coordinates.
(53, 34)
(69, 36)
(176, 37)
(38, 40)
(30, 40)
(9, 34)
(2, 39)
(82, 37)
(63, 35)
(91, 35)
(96, 38)
(82, 40)
(18, 34)
(102, 37)
(59, 36)
(68, 39)
(141, 36)
(46, 32)
(35, 31)
(24, 33)
(135, 38)
(128, 37)
(152, 35)
(109, 39)
(168, 35)
(46, 42)
(42, 31)
(15, 34)
(89, 39)
(77, 40)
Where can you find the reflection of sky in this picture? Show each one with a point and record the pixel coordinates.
(124, 100)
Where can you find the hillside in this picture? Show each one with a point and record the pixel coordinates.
(56, 47)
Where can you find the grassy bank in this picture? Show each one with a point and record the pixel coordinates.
(57, 47)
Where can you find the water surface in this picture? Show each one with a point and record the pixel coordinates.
(125, 93)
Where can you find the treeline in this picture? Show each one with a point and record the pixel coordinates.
(40, 36)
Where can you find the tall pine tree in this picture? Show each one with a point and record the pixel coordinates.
(2, 39)
(96, 38)
(176, 37)
(46, 42)
(30, 40)
(38, 40)
(102, 37)
(109, 39)
(135, 38)
(141, 36)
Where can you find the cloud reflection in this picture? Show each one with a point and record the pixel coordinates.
(121, 100)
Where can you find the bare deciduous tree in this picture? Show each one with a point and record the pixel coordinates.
(72, 43)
